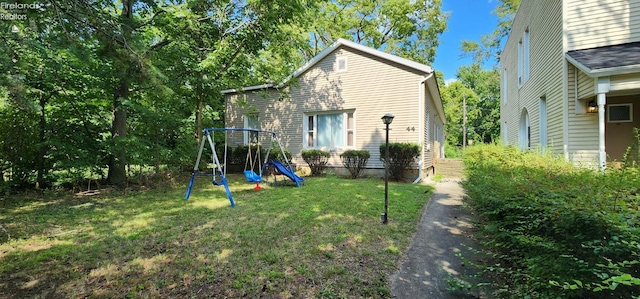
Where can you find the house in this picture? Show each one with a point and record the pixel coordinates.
(570, 72)
(337, 103)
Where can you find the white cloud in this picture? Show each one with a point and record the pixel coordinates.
(449, 81)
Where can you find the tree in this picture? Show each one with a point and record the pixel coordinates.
(481, 88)
(409, 29)
(490, 43)
(130, 33)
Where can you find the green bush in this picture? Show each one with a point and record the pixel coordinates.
(554, 230)
(401, 156)
(317, 160)
(452, 151)
(276, 155)
(239, 156)
(355, 161)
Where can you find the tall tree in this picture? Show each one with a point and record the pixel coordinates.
(481, 89)
(131, 32)
(405, 28)
(490, 45)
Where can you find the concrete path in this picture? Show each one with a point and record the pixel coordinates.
(431, 258)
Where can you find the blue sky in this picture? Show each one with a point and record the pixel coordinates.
(468, 20)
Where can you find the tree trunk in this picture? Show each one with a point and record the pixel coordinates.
(42, 148)
(117, 161)
(199, 107)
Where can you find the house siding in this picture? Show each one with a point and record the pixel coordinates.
(596, 23)
(545, 74)
(622, 83)
(370, 87)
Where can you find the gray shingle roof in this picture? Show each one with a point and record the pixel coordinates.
(607, 57)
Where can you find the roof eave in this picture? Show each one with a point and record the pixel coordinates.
(248, 88)
(603, 72)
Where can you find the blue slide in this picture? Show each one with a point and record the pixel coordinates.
(288, 173)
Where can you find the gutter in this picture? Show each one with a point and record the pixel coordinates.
(421, 99)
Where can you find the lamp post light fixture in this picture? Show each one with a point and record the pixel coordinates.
(386, 119)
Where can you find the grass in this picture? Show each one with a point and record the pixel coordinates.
(322, 240)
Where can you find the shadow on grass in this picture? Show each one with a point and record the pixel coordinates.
(280, 240)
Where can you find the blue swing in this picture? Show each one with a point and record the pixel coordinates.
(252, 176)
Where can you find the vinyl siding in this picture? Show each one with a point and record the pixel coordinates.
(370, 88)
(595, 23)
(586, 85)
(543, 19)
(622, 83)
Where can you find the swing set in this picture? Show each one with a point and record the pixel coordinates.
(220, 168)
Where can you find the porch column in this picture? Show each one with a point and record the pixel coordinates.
(602, 87)
(602, 154)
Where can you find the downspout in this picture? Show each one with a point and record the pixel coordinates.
(421, 100)
(602, 155)
(602, 85)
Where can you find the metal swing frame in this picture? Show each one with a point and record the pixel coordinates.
(222, 167)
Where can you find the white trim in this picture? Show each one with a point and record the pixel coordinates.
(340, 42)
(245, 134)
(345, 136)
(611, 71)
(338, 60)
(630, 107)
(248, 88)
(542, 123)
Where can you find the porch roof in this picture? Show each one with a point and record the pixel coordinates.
(607, 60)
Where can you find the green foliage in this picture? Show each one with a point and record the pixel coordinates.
(18, 148)
(490, 44)
(409, 29)
(276, 155)
(401, 156)
(553, 230)
(355, 161)
(451, 151)
(481, 89)
(631, 156)
(317, 160)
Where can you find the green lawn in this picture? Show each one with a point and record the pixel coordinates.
(322, 240)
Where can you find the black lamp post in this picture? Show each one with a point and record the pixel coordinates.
(386, 119)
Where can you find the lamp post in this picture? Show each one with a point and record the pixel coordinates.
(386, 119)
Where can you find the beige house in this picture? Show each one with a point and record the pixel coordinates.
(337, 104)
(571, 78)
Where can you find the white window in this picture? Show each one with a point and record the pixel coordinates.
(505, 138)
(329, 130)
(341, 64)
(543, 123)
(523, 58)
(504, 86)
(525, 131)
(251, 122)
(620, 113)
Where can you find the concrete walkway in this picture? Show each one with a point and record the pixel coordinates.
(431, 258)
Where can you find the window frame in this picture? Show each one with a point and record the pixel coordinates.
(628, 105)
(247, 136)
(523, 58)
(338, 60)
(310, 133)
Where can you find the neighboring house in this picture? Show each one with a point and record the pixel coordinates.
(571, 78)
(337, 103)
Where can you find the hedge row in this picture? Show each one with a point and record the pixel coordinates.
(552, 230)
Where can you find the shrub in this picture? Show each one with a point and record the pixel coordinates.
(401, 156)
(276, 152)
(239, 155)
(355, 161)
(554, 230)
(317, 160)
